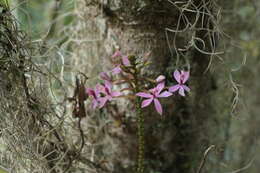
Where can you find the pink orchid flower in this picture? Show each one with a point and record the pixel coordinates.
(95, 94)
(153, 96)
(106, 89)
(181, 77)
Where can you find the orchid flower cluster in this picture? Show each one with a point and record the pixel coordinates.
(128, 68)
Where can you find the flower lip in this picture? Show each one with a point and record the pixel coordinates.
(91, 92)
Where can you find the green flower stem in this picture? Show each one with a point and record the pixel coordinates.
(140, 118)
(140, 121)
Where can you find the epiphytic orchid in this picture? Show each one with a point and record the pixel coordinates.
(153, 96)
(181, 77)
(95, 94)
(106, 89)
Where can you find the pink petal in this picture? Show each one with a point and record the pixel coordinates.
(152, 90)
(116, 94)
(105, 76)
(181, 91)
(177, 76)
(126, 61)
(186, 76)
(109, 97)
(146, 102)
(102, 101)
(165, 94)
(116, 70)
(174, 88)
(96, 91)
(108, 85)
(160, 78)
(160, 87)
(186, 88)
(94, 104)
(90, 91)
(100, 88)
(105, 89)
(158, 106)
(116, 54)
(145, 95)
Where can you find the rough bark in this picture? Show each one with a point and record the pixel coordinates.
(175, 142)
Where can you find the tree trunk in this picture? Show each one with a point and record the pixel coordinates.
(177, 36)
(175, 142)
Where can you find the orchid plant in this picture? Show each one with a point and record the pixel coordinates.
(127, 70)
(102, 93)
